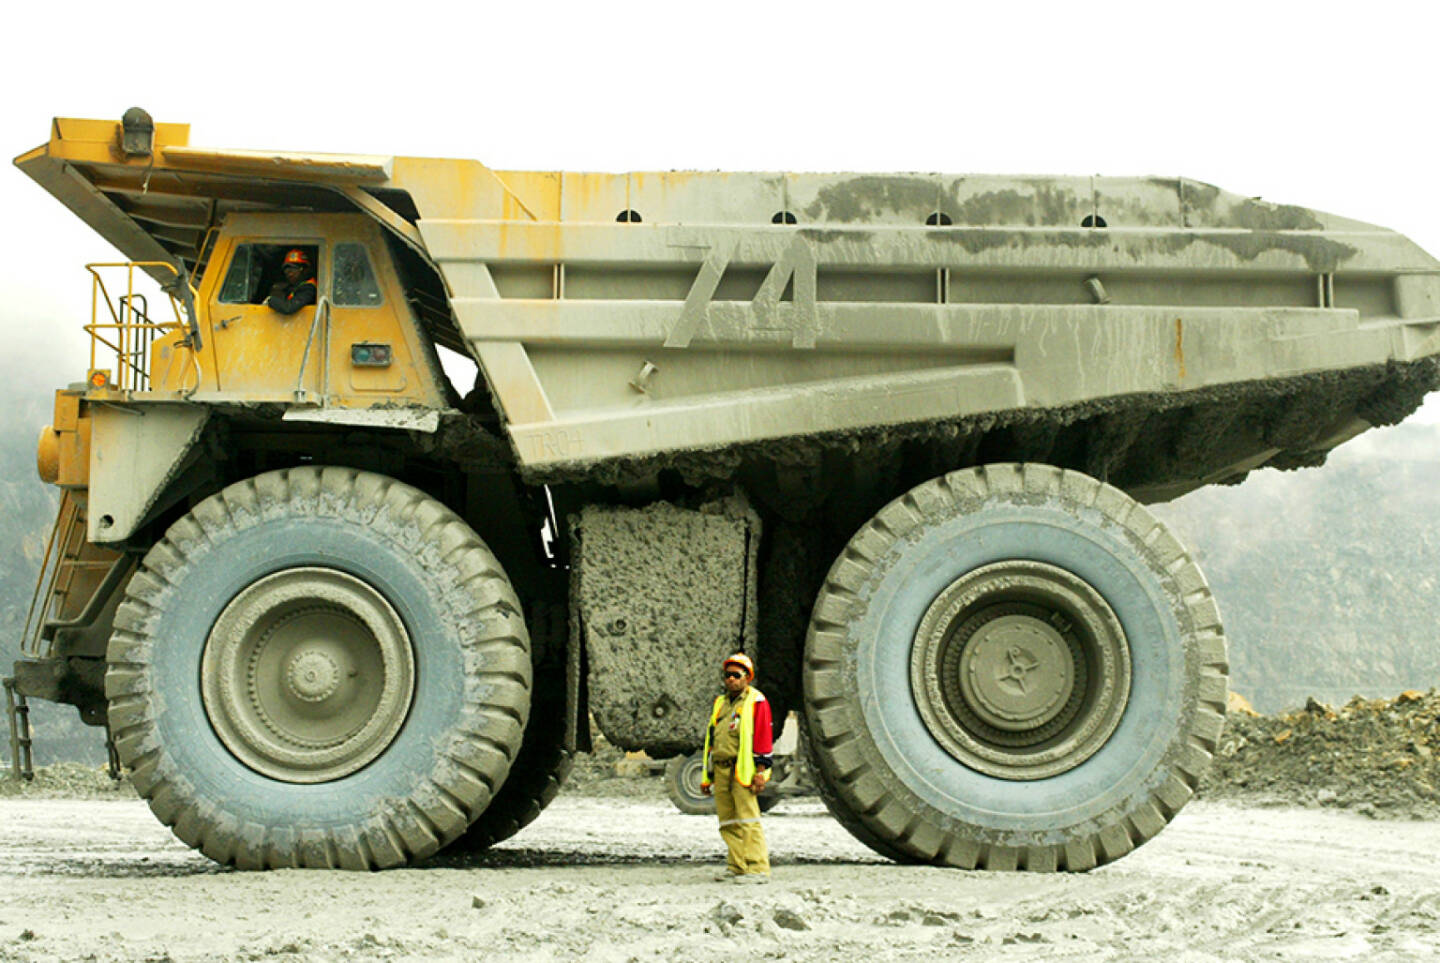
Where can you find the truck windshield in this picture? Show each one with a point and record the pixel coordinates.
(355, 283)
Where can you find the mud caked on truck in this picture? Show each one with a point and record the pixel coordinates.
(890, 434)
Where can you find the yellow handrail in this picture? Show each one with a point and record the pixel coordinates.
(133, 331)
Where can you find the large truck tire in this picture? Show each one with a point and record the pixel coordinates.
(541, 767)
(319, 667)
(1013, 667)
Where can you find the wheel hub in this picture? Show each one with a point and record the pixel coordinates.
(307, 675)
(313, 675)
(1016, 672)
(1020, 670)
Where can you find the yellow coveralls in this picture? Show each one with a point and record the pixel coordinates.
(737, 806)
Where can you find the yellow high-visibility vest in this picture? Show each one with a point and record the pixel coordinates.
(745, 762)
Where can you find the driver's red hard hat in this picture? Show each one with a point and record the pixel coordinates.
(296, 256)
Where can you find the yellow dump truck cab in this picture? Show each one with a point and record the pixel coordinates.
(357, 346)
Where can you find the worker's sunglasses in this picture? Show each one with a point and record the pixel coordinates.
(734, 675)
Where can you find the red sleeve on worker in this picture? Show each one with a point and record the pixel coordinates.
(764, 735)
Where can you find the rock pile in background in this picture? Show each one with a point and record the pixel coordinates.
(65, 780)
(1380, 757)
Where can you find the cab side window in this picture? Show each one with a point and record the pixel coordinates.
(242, 281)
(355, 284)
(255, 270)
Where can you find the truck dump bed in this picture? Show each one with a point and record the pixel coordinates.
(1158, 333)
(1220, 331)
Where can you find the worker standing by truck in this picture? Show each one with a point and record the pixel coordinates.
(737, 762)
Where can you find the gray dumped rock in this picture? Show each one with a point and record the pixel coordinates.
(1373, 756)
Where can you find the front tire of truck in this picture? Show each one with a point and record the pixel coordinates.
(318, 667)
(545, 759)
(1013, 667)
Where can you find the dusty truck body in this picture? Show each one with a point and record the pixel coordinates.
(891, 434)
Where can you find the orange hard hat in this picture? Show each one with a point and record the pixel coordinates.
(296, 256)
(743, 661)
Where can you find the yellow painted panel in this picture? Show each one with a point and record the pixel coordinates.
(67, 410)
(532, 194)
(357, 167)
(387, 380)
(98, 141)
(173, 366)
(74, 450)
(446, 188)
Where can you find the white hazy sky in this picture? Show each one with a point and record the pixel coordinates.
(1316, 104)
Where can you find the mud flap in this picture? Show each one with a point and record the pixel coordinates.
(662, 594)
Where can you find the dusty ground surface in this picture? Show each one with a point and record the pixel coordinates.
(1315, 840)
(610, 879)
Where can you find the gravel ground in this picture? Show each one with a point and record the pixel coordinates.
(613, 872)
(616, 879)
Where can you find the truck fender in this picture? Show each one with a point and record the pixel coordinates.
(135, 452)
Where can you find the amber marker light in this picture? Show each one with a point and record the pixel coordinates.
(99, 379)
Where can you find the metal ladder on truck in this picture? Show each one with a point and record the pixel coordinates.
(16, 710)
(76, 579)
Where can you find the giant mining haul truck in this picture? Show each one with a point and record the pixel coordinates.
(892, 434)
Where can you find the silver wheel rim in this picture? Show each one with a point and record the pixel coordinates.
(307, 675)
(1020, 670)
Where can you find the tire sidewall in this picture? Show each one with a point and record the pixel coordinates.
(1086, 542)
(180, 632)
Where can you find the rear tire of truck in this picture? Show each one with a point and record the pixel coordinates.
(1013, 667)
(540, 771)
(318, 667)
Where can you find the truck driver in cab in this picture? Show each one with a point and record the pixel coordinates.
(298, 288)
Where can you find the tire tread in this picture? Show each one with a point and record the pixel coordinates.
(460, 784)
